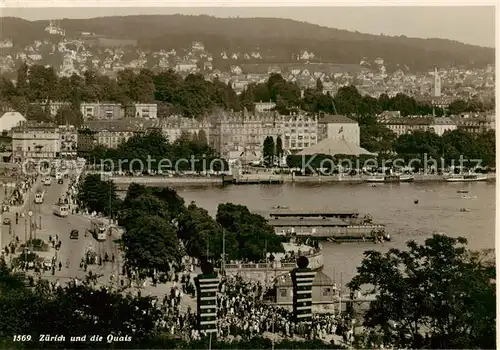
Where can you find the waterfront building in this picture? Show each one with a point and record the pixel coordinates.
(299, 132)
(35, 140)
(241, 133)
(338, 127)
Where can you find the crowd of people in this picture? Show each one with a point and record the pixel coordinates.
(244, 313)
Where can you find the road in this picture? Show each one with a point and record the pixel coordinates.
(72, 250)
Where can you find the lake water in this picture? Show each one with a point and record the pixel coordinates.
(438, 210)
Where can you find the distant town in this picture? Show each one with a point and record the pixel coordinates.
(88, 51)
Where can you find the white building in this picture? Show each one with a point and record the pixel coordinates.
(10, 120)
(299, 132)
(146, 110)
(264, 106)
(339, 127)
(35, 140)
(443, 124)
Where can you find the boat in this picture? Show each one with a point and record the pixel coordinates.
(280, 207)
(469, 197)
(462, 191)
(465, 177)
(465, 210)
(390, 178)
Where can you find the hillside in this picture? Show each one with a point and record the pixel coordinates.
(277, 39)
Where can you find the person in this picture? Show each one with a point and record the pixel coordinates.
(60, 266)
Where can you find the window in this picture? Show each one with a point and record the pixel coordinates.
(283, 292)
(327, 292)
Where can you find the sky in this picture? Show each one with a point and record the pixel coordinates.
(468, 24)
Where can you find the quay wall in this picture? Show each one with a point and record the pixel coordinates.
(123, 182)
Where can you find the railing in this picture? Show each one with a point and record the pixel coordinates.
(276, 265)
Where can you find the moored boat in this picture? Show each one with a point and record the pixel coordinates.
(390, 178)
(465, 177)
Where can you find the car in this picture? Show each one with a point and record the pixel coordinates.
(60, 181)
(6, 221)
(74, 234)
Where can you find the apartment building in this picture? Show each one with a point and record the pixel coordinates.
(68, 141)
(401, 126)
(146, 110)
(35, 141)
(175, 126)
(338, 127)
(299, 131)
(234, 133)
(102, 111)
(109, 134)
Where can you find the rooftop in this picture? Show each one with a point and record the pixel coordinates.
(336, 119)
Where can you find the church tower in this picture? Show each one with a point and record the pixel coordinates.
(437, 84)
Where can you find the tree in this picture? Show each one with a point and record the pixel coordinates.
(68, 115)
(97, 195)
(269, 151)
(440, 288)
(279, 149)
(319, 85)
(251, 231)
(202, 235)
(150, 243)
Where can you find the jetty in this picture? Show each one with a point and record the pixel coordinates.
(324, 224)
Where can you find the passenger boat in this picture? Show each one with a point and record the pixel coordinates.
(465, 210)
(465, 177)
(391, 178)
(469, 197)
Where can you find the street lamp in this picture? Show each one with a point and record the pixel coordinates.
(30, 214)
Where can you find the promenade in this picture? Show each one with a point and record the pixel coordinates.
(123, 182)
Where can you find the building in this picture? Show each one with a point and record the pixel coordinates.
(102, 110)
(10, 120)
(146, 110)
(242, 133)
(443, 124)
(54, 106)
(476, 124)
(338, 127)
(108, 133)
(299, 132)
(436, 87)
(264, 106)
(323, 289)
(68, 141)
(36, 141)
(175, 126)
(401, 126)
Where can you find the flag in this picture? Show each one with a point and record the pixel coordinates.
(341, 129)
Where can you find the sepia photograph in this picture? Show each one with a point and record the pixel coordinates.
(247, 177)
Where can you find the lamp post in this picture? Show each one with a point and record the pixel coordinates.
(30, 214)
